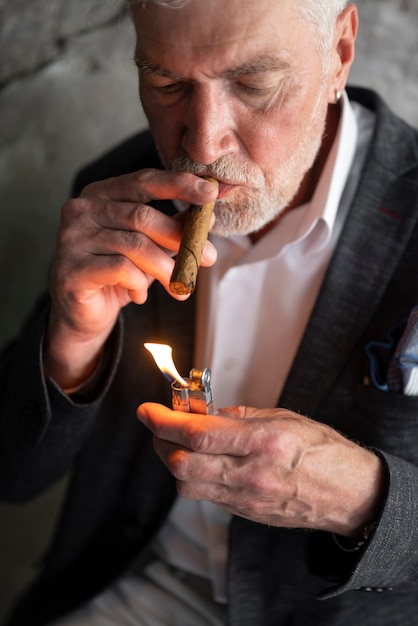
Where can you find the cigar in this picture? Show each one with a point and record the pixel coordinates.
(195, 233)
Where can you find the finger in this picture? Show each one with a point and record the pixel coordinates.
(92, 216)
(152, 184)
(145, 220)
(237, 501)
(103, 222)
(225, 480)
(144, 253)
(193, 466)
(114, 235)
(86, 276)
(209, 434)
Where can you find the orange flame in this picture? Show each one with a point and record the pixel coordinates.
(163, 357)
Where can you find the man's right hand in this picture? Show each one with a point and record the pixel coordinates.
(111, 246)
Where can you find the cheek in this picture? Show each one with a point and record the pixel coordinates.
(279, 134)
(266, 142)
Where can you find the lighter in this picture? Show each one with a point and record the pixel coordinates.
(190, 395)
(197, 396)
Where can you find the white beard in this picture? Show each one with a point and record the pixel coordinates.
(260, 200)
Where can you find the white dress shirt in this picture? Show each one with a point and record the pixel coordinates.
(253, 307)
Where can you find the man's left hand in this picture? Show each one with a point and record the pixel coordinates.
(271, 466)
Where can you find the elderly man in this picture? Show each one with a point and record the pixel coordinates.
(298, 503)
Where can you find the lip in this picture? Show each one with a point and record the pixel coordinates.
(226, 188)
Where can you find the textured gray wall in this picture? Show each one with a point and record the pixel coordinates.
(67, 92)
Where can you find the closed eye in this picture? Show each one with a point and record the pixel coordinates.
(169, 88)
(256, 91)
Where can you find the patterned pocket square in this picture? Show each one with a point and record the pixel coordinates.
(403, 367)
(394, 364)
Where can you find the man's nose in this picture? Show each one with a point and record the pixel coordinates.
(210, 127)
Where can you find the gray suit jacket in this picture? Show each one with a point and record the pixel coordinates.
(121, 493)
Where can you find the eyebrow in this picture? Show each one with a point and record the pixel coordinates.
(150, 68)
(265, 63)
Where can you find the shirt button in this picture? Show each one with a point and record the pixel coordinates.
(229, 364)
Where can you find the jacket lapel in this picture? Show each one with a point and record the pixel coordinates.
(374, 237)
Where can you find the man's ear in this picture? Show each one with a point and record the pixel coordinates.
(343, 50)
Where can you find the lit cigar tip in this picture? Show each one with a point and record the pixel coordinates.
(180, 288)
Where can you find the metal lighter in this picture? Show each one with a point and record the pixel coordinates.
(197, 396)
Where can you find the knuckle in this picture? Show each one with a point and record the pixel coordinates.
(258, 483)
(120, 266)
(144, 176)
(74, 211)
(198, 438)
(179, 465)
(65, 240)
(138, 245)
(277, 445)
(70, 209)
(91, 189)
(118, 263)
(142, 217)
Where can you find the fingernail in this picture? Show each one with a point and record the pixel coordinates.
(205, 186)
(210, 253)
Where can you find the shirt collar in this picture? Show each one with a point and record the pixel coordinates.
(324, 204)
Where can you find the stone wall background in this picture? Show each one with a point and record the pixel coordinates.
(68, 91)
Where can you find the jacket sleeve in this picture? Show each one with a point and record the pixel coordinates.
(388, 562)
(387, 422)
(41, 428)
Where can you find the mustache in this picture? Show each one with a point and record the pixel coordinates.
(222, 169)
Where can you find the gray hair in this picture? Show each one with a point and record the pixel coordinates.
(321, 13)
